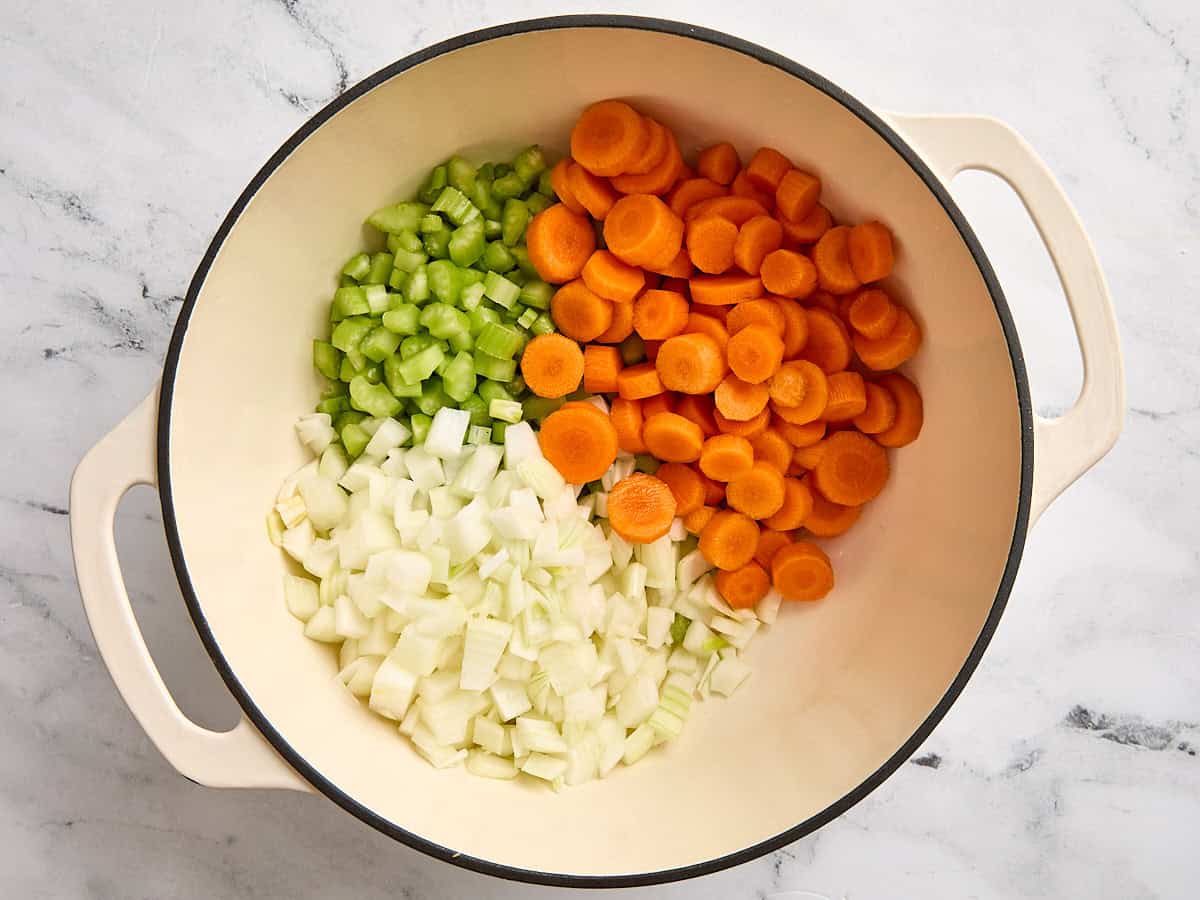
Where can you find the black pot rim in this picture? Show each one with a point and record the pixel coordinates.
(447, 854)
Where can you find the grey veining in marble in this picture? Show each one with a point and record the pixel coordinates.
(1070, 766)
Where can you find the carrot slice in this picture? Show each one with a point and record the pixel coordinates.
(743, 588)
(847, 397)
(638, 382)
(691, 363)
(756, 312)
(742, 186)
(802, 571)
(759, 493)
(657, 146)
(719, 163)
(747, 429)
(754, 355)
(829, 519)
(726, 455)
(685, 485)
(871, 253)
(658, 180)
(772, 448)
(879, 414)
(852, 470)
(627, 418)
(710, 242)
(795, 326)
(738, 210)
(767, 168)
(562, 188)
(664, 402)
(678, 269)
(594, 193)
(579, 313)
(609, 137)
(621, 327)
(808, 457)
(698, 323)
(724, 290)
(797, 194)
(795, 508)
(899, 346)
(672, 438)
(714, 491)
(807, 230)
(552, 365)
(795, 382)
(698, 408)
(658, 315)
(580, 441)
(788, 273)
(608, 277)
(755, 239)
(720, 313)
(824, 300)
(800, 435)
(641, 508)
(831, 255)
(740, 400)
(729, 540)
(641, 230)
(601, 365)
(559, 243)
(872, 314)
(910, 412)
(828, 342)
(687, 194)
(695, 521)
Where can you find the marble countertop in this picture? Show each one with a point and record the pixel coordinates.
(1070, 767)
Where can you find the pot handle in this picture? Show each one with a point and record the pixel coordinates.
(236, 758)
(1067, 446)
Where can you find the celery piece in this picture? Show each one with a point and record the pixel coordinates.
(480, 317)
(409, 260)
(437, 243)
(633, 349)
(537, 408)
(402, 320)
(458, 380)
(352, 416)
(513, 221)
(679, 628)
(445, 279)
(373, 373)
(379, 344)
(472, 276)
(500, 290)
(332, 406)
(357, 266)
(346, 281)
(401, 217)
(481, 196)
(420, 365)
(413, 345)
(405, 240)
(431, 223)
(444, 321)
(526, 318)
(500, 169)
(500, 341)
(348, 301)
(419, 425)
(498, 432)
(395, 382)
(373, 399)
(461, 341)
(467, 243)
(456, 206)
(433, 185)
(417, 289)
(377, 298)
(493, 368)
(498, 258)
(517, 277)
(349, 333)
(505, 410)
(381, 268)
(522, 255)
(509, 186)
(536, 293)
(333, 388)
(347, 370)
(326, 359)
(477, 408)
(494, 210)
(545, 186)
(536, 202)
(529, 163)
(479, 434)
(398, 279)
(543, 324)
(492, 229)
(354, 439)
(644, 462)
(461, 174)
(517, 386)
(433, 397)
(471, 296)
(493, 390)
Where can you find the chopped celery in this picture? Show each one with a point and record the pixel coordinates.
(505, 410)
(479, 434)
(543, 324)
(513, 221)
(545, 186)
(433, 185)
(492, 229)
(460, 341)
(417, 288)
(481, 196)
(373, 373)
(433, 397)
(498, 258)
(357, 266)
(633, 349)
(401, 217)
(397, 280)
(431, 223)
(477, 408)
(471, 296)
(419, 425)
(373, 399)
(509, 185)
(381, 267)
(352, 416)
(455, 205)
(415, 344)
(460, 174)
(480, 317)
(333, 405)
(500, 341)
(493, 390)
(526, 318)
(402, 320)
(346, 281)
(493, 368)
(516, 387)
(467, 243)
(536, 293)
(458, 380)
(498, 431)
(377, 298)
(537, 408)
(379, 344)
(443, 321)
(445, 279)
(536, 202)
(500, 290)
(348, 370)
(679, 628)
(523, 262)
(644, 462)
(409, 260)
(326, 358)
(354, 439)
(395, 382)
(349, 301)
(349, 333)
(420, 365)
(529, 163)
(472, 276)
(437, 243)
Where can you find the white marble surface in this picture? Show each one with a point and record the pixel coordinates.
(1069, 768)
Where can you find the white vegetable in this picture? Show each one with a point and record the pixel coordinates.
(389, 435)
(321, 626)
(540, 476)
(439, 755)
(486, 639)
(545, 767)
(478, 471)
(358, 476)
(491, 736)
(349, 621)
(658, 625)
(489, 765)
(520, 443)
(690, 568)
(297, 541)
(301, 597)
(467, 533)
(292, 511)
(728, 676)
(540, 736)
(321, 558)
(511, 699)
(637, 701)
(425, 471)
(315, 431)
(768, 607)
(447, 433)
(333, 463)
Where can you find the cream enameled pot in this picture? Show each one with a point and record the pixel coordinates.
(843, 690)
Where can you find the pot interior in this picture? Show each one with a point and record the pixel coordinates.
(838, 687)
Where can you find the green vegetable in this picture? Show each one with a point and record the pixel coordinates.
(679, 627)
(419, 425)
(354, 439)
(500, 341)
(373, 399)
(500, 290)
(505, 410)
(515, 217)
(457, 208)
(493, 368)
(536, 293)
(445, 279)
(401, 217)
(543, 324)
(357, 266)
(379, 344)
(467, 243)
(381, 268)
(498, 258)
(458, 380)
(403, 320)
(530, 163)
(326, 358)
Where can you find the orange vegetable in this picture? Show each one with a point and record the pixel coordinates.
(725, 456)
(559, 243)
(831, 255)
(759, 493)
(755, 239)
(641, 230)
(714, 491)
(579, 313)
(658, 315)
(695, 521)
(685, 485)
(609, 137)
(899, 346)
(657, 146)
(872, 313)
(748, 429)
(795, 326)
(592, 192)
(847, 397)
(658, 180)
(742, 186)
(800, 435)
(680, 268)
(641, 508)
(756, 312)
(754, 355)
(802, 571)
(808, 457)
(720, 313)
(788, 273)
(795, 508)
(638, 382)
(621, 327)
(871, 254)
(698, 323)
(879, 414)
(824, 300)
(740, 400)
(808, 229)
(664, 402)
(769, 543)
(793, 382)
(852, 470)
(910, 412)
(672, 438)
(772, 448)
(829, 519)
(767, 168)
(710, 241)
(552, 365)
(797, 194)
(601, 365)
(687, 194)
(828, 342)
(724, 290)
(580, 441)
(738, 210)
(558, 181)
(627, 418)
(608, 277)
(691, 363)
(729, 539)
(719, 163)
(698, 408)
(743, 588)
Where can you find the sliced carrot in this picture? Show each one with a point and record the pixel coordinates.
(872, 313)
(687, 194)
(627, 418)
(823, 300)
(601, 365)
(788, 273)
(621, 327)
(672, 438)
(828, 342)
(831, 255)
(738, 210)
(552, 365)
(802, 571)
(871, 253)
(847, 397)
(609, 137)
(759, 493)
(657, 145)
(638, 382)
(714, 491)
(767, 168)
(719, 163)
(678, 269)
(852, 470)
(580, 441)
(795, 326)
(725, 456)
(562, 189)
(594, 193)
(756, 312)
(691, 364)
(743, 588)
(754, 355)
(910, 412)
(795, 508)
(748, 429)
(740, 400)
(772, 448)
(755, 239)
(685, 485)
(641, 508)
(698, 408)
(896, 348)
(641, 230)
(608, 277)
(829, 519)
(797, 194)
(724, 290)
(800, 435)
(695, 521)
(720, 313)
(658, 315)
(808, 457)
(844, 303)
(742, 186)
(809, 229)
(710, 242)
(559, 243)
(729, 540)
(698, 323)
(658, 180)
(664, 402)
(579, 313)
(879, 414)
(801, 386)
